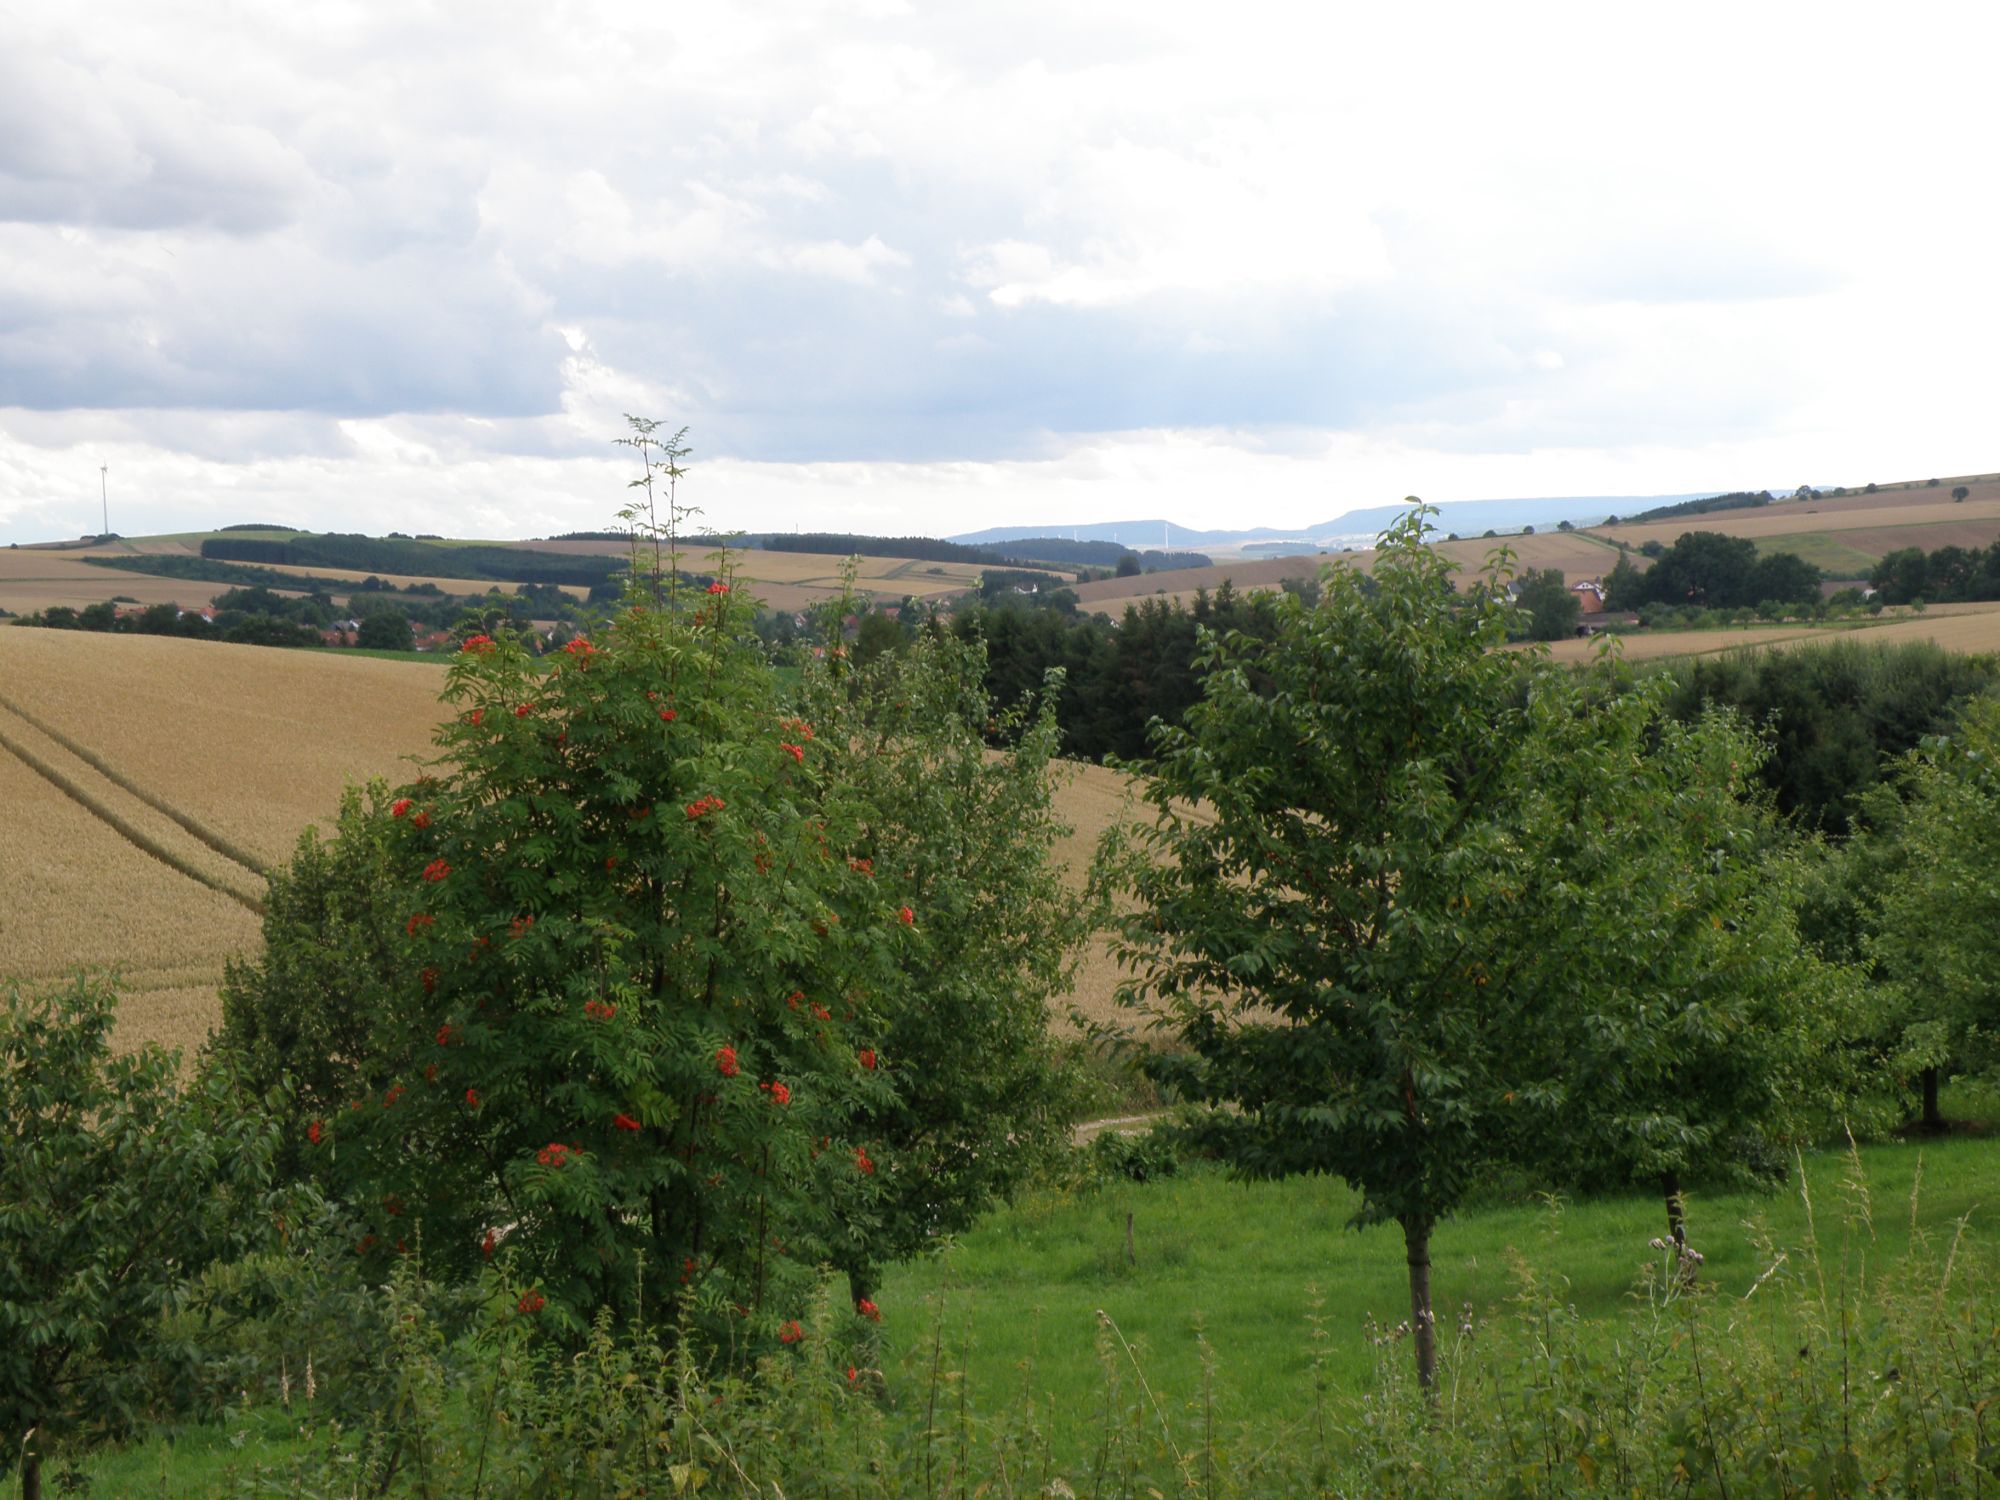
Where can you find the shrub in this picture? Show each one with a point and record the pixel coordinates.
(1139, 1157)
(119, 1187)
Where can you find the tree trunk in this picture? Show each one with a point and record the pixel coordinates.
(1933, 1117)
(860, 1286)
(1423, 1326)
(31, 1475)
(1670, 1187)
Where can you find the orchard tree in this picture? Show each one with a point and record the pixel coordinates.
(387, 630)
(1935, 929)
(119, 1186)
(1701, 1038)
(1552, 610)
(1330, 899)
(332, 969)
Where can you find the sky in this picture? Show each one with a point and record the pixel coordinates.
(929, 268)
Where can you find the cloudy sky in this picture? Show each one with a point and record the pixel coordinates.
(907, 267)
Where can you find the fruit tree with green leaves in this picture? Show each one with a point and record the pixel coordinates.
(119, 1187)
(1355, 909)
(1934, 930)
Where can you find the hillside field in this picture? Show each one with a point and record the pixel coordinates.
(147, 782)
(1970, 628)
(1845, 535)
(34, 578)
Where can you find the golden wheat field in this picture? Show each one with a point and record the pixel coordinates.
(146, 782)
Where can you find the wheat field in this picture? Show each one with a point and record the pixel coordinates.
(146, 783)
(34, 578)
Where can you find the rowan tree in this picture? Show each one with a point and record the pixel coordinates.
(653, 976)
(981, 1096)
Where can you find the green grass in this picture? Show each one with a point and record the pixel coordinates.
(1248, 1266)
(1252, 1266)
(435, 658)
(1824, 550)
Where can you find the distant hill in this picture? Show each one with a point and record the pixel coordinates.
(1470, 517)
(1160, 535)
(1467, 517)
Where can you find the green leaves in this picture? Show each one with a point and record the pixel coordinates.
(118, 1188)
(666, 983)
(1932, 930)
(1417, 909)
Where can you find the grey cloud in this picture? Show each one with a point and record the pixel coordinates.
(107, 149)
(281, 327)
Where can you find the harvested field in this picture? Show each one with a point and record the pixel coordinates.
(1853, 513)
(407, 580)
(35, 579)
(888, 577)
(1956, 627)
(1578, 554)
(333, 580)
(1652, 644)
(1970, 628)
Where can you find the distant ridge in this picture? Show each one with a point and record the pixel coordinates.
(1462, 516)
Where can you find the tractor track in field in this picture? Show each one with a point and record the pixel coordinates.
(73, 787)
(119, 779)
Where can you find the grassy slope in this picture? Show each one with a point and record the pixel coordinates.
(1252, 1267)
(1245, 1264)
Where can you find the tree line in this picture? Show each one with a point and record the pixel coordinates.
(1710, 570)
(1943, 575)
(406, 555)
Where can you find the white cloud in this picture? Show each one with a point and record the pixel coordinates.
(986, 255)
